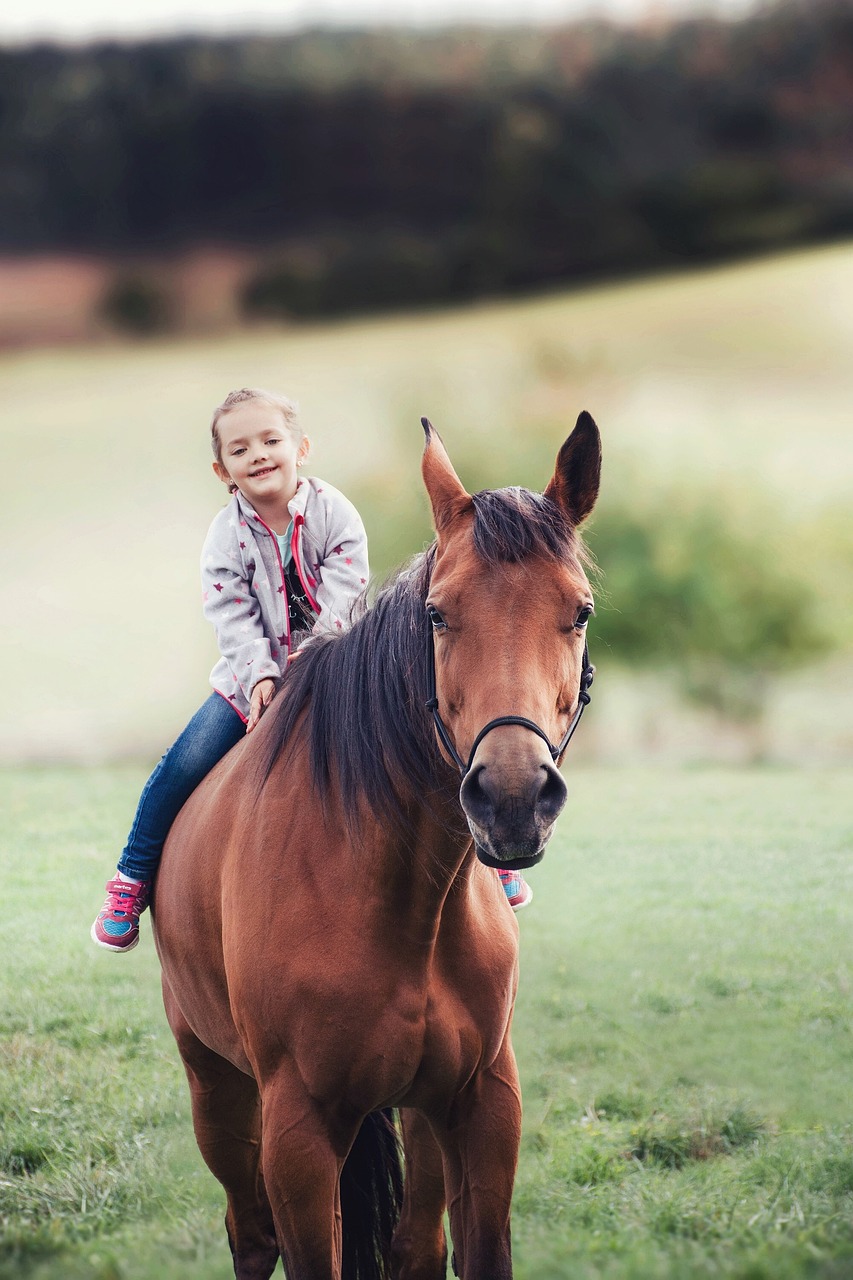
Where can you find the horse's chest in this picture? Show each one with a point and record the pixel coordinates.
(414, 1033)
(466, 1018)
(419, 1060)
(417, 1044)
(464, 1031)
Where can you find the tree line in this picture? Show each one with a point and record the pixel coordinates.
(374, 169)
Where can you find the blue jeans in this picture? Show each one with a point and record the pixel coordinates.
(213, 731)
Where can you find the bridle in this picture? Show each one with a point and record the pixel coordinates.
(587, 673)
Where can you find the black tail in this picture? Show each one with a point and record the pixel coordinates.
(371, 1198)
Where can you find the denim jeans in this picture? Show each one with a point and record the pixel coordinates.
(213, 731)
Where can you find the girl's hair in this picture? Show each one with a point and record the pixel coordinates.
(287, 408)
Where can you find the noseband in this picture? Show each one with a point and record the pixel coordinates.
(431, 704)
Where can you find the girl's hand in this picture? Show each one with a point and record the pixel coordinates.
(261, 698)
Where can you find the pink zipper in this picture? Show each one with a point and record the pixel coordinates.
(298, 522)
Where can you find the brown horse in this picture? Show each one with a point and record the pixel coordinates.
(335, 944)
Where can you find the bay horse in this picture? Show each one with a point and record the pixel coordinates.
(333, 939)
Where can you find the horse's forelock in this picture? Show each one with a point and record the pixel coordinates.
(514, 524)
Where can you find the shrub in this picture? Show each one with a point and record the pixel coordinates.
(672, 1142)
(367, 273)
(688, 586)
(137, 306)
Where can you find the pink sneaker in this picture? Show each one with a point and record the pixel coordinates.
(117, 923)
(518, 892)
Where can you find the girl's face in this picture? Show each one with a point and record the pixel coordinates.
(259, 453)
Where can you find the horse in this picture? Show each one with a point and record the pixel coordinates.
(339, 960)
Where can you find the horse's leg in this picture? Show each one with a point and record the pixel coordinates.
(419, 1248)
(227, 1120)
(479, 1141)
(304, 1152)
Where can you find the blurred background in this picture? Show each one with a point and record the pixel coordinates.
(492, 215)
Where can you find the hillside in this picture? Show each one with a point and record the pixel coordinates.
(741, 374)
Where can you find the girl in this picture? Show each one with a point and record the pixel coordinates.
(285, 558)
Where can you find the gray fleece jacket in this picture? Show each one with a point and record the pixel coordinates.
(244, 590)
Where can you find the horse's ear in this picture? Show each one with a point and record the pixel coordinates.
(447, 495)
(574, 484)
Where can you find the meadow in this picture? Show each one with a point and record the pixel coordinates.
(683, 1030)
(736, 380)
(683, 1025)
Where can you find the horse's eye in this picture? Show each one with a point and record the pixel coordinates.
(435, 618)
(584, 616)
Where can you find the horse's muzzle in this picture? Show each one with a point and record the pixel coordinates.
(511, 825)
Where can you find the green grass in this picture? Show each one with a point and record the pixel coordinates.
(739, 377)
(684, 1032)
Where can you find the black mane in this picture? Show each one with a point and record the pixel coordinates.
(362, 693)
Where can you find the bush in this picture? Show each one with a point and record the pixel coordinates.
(368, 273)
(673, 1142)
(136, 305)
(691, 587)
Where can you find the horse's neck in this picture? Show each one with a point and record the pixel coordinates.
(417, 870)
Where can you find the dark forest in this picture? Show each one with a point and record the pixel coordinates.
(387, 167)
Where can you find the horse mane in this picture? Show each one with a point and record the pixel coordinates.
(355, 701)
(514, 524)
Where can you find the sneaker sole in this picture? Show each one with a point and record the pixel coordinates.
(519, 906)
(108, 946)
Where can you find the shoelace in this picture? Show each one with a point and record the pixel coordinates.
(123, 896)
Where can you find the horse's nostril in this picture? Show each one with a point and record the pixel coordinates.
(552, 794)
(477, 800)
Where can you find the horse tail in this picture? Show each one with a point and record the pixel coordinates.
(371, 1198)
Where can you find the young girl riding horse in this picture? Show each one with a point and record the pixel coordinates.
(284, 560)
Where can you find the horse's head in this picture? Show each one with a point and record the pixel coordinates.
(508, 604)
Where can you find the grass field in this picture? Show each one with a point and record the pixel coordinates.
(684, 1032)
(740, 376)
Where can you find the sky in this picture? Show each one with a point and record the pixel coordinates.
(84, 20)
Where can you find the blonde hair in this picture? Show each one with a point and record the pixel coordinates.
(289, 412)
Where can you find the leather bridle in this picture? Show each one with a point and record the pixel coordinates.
(587, 673)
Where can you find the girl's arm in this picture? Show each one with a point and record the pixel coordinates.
(344, 569)
(236, 617)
